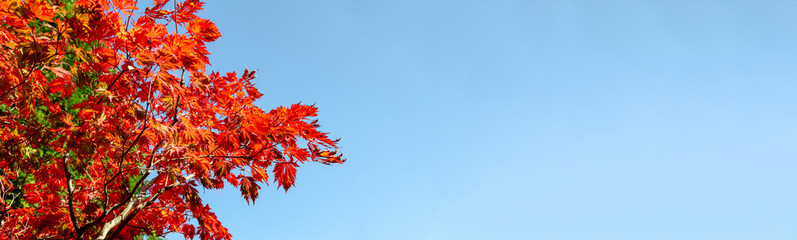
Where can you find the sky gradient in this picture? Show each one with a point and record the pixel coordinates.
(525, 119)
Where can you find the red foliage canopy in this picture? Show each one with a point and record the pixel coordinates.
(109, 123)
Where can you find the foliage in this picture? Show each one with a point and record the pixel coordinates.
(109, 123)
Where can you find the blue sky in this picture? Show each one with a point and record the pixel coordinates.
(526, 119)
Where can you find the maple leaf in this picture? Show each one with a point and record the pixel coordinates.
(41, 10)
(203, 29)
(249, 189)
(285, 174)
(127, 6)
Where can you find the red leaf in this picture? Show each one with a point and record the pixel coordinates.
(203, 29)
(285, 174)
(138, 116)
(127, 6)
(249, 189)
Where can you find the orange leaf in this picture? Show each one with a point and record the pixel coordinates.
(285, 174)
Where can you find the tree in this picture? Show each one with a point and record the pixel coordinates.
(109, 123)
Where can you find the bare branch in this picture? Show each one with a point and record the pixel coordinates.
(113, 227)
(70, 190)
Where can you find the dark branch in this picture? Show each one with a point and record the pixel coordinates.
(70, 189)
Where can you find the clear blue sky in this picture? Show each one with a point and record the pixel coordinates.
(526, 119)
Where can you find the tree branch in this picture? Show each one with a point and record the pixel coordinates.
(129, 197)
(70, 189)
(122, 157)
(113, 227)
(20, 84)
(112, 83)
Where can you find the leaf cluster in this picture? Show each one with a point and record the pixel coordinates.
(110, 123)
